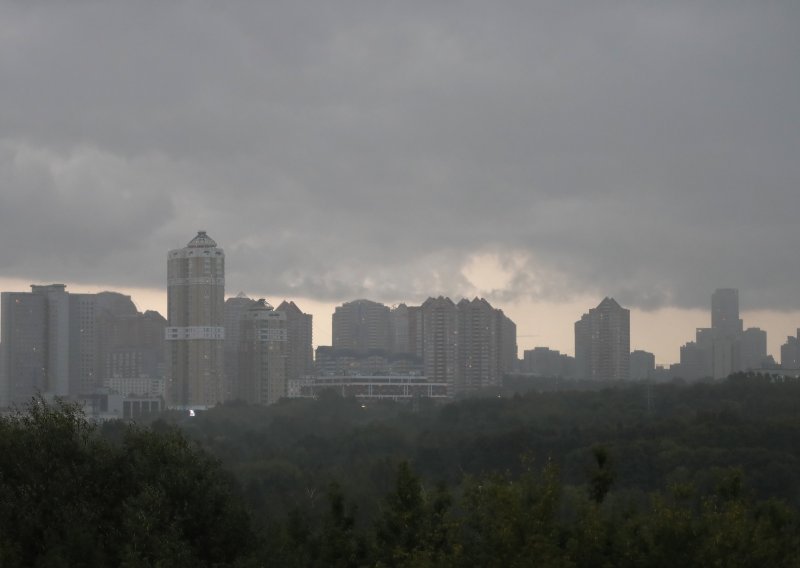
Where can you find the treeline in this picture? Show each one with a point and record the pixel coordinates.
(638, 475)
(656, 435)
(534, 520)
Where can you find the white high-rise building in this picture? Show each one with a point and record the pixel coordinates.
(195, 331)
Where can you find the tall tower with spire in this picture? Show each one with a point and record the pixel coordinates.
(195, 334)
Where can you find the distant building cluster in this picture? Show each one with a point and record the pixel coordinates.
(78, 345)
(790, 352)
(602, 348)
(239, 349)
(98, 349)
(462, 346)
(725, 347)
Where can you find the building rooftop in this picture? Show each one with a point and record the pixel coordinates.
(202, 240)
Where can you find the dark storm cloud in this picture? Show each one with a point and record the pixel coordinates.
(337, 150)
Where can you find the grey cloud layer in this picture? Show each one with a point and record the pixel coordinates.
(339, 150)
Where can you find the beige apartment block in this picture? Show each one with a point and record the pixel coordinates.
(195, 331)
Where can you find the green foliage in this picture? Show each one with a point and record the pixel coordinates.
(656, 435)
(510, 522)
(340, 544)
(415, 527)
(71, 498)
(687, 475)
(602, 478)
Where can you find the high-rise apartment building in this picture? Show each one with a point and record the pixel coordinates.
(478, 345)
(36, 338)
(507, 349)
(195, 334)
(398, 328)
(643, 364)
(602, 342)
(296, 351)
(790, 352)
(361, 325)
(467, 346)
(85, 370)
(262, 355)
(440, 341)
(694, 362)
(57, 318)
(299, 339)
(130, 347)
(583, 343)
(753, 349)
(51, 342)
(415, 334)
(24, 340)
(235, 310)
(73, 344)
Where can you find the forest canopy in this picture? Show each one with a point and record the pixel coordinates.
(631, 475)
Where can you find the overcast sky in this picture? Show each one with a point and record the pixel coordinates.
(648, 151)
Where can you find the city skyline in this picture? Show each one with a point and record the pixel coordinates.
(661, 332)
(541, 156)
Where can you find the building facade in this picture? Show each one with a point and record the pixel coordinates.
(131, 346)
(85, 366)
(507, 344)
(262, 355)
(71, 345)
(723, 348)
(753, 350)
(24, 340)
(361, 325)
(546, 362)
(643, 365)
(602, 342)
(440, 341)
(725, 319)
(235, 310)
(299, 340)
(49, 341)
(478, 350)
(790, 352)
(195, 333)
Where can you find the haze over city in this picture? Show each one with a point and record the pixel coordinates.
(457, 284)
(541, 156)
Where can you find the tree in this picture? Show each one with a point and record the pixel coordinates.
(72, 498)
(602, 478)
